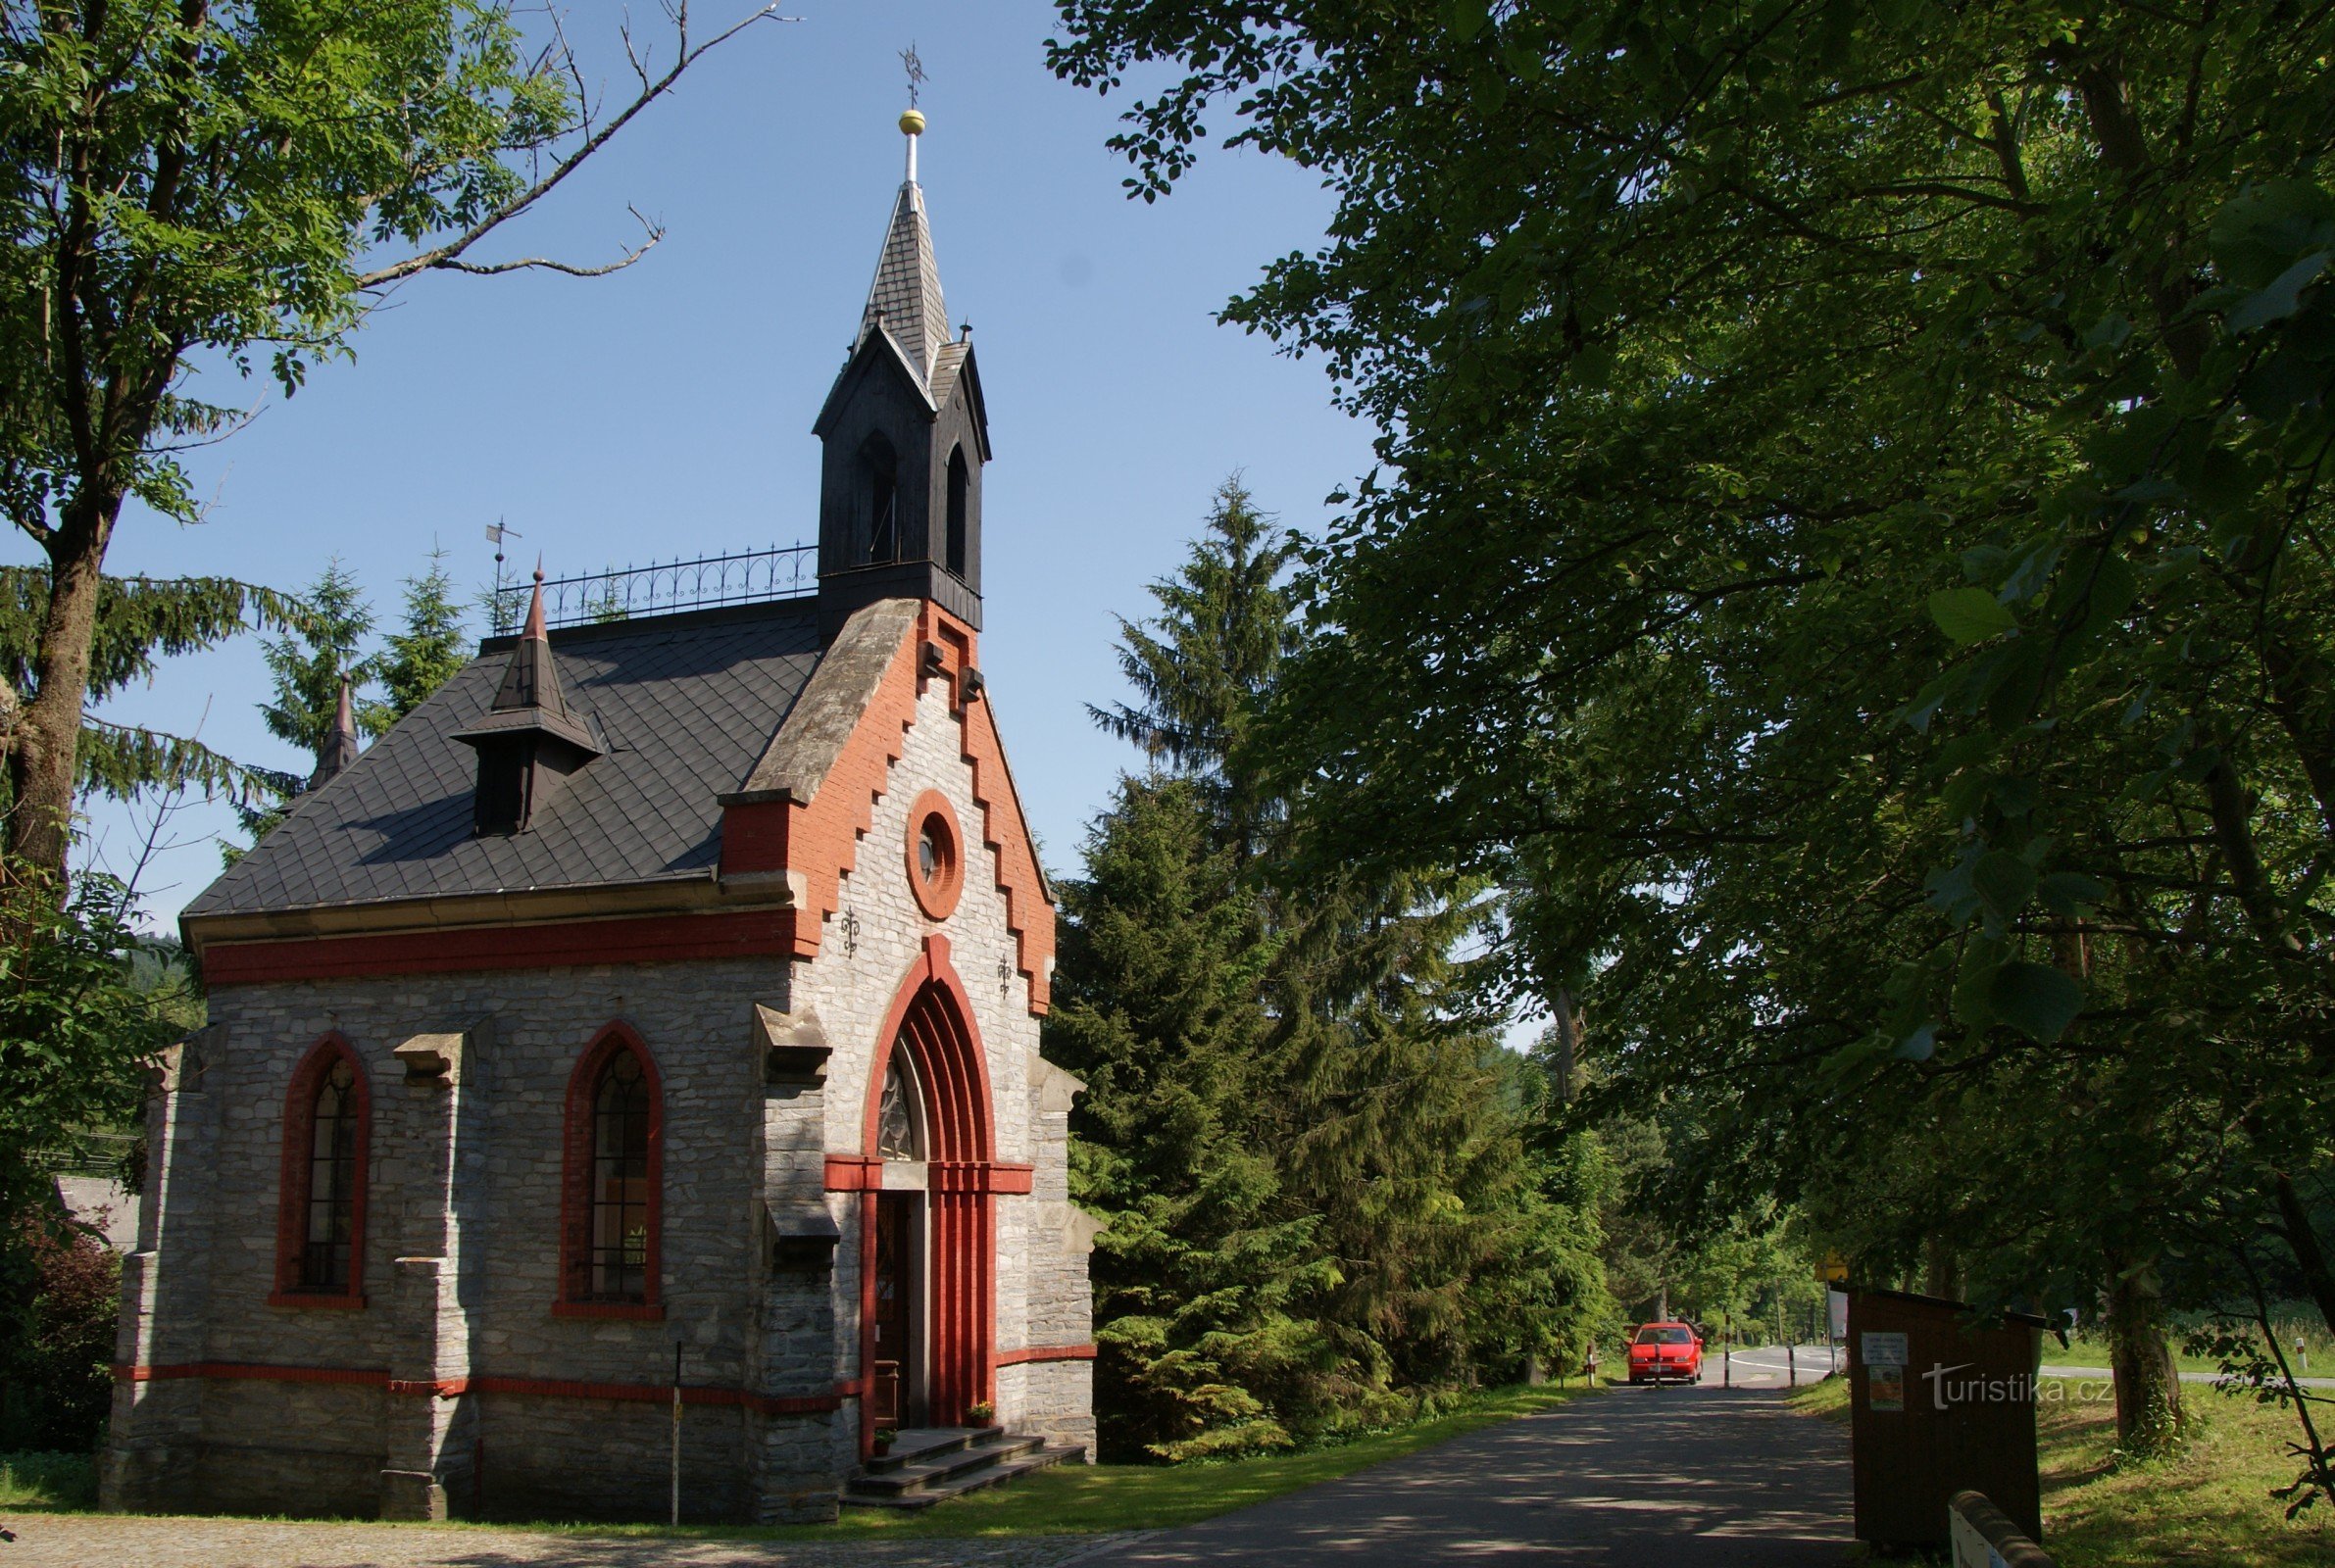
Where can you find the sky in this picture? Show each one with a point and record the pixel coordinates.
(665, 411)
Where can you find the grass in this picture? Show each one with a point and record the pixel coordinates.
(2209, 1505)
(2090, 1349)
(48, 1482)
(1068, 1500)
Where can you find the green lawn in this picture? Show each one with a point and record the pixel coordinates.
(1068, 1500)
(2209, 1505)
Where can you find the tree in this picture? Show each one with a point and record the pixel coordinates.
(1847, 553)
(429, 650)
(1325, 1196)
(139, 621)
(198, 183)
(307, 670)
(1207, 1277)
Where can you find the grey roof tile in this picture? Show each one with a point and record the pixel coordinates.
(684, 703)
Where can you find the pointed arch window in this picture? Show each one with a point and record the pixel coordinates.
(320, 1225)
(612, 1201)
(959, 500)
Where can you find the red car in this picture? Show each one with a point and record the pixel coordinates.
(1666, 1350)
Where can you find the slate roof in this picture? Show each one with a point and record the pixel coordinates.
(905, 298)
(683, 706)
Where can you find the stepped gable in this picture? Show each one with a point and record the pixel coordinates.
(680, 706)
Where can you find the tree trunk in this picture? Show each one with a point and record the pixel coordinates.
(2319, 1277)
(2141, 1359)
(48, 735)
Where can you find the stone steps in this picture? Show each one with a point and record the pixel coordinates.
(936, 1464)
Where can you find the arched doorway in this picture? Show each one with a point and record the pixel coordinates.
(928, 1249)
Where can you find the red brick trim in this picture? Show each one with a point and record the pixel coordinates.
(634, 938)
(854, 1173)
(938, 895)
(821, 841)
(575, 1182)
(931, 1018)
(1046, 1352)
(294, 1170)
(1029, 913)
(454, 1387)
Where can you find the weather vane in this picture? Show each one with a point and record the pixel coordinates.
(916, 71)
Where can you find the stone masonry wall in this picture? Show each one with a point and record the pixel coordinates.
(461, 1250)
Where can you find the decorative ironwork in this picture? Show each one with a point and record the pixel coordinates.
(749, 577)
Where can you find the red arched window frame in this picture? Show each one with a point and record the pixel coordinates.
(295, 1184)
(577, 1296)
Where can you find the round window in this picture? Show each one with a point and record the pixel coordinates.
(934, 871)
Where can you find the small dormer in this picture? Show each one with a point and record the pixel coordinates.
(906, 437)
(530, 741)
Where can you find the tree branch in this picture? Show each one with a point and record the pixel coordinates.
(448, 257)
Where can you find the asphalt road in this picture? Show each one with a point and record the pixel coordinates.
(1635, 1478)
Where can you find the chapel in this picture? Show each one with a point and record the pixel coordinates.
(621, 1082)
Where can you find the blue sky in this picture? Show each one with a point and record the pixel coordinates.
(667, 411)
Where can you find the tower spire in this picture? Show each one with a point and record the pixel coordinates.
(905, 301)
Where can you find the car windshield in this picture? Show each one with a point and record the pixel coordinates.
(1670, 1335)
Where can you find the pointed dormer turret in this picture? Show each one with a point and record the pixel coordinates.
(338, 749)
(530, 741)
(906, 436)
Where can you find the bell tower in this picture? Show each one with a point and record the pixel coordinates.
(905, 435)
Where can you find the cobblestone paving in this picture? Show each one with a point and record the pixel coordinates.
(115, 1541)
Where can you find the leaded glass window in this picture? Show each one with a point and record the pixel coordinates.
(331, 1219)
(621, 1181)
(896, 1116)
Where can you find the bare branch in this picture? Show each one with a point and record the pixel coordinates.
(656, 232)
(448, 257)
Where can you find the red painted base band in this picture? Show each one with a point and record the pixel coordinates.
(1046, 1352)
(452, 1388)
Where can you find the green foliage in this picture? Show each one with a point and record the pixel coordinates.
(1322, 1188)
(307, 670)
(63, 1296)
(1849, 552)
(426, 652)
(141, 620)
(230, 186)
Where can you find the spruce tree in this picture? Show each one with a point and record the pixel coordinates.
(1324, 1200)
(307, 666)
(426, 655)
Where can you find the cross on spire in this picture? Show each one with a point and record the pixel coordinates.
(916, 71)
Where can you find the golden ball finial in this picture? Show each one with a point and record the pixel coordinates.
(911, 123)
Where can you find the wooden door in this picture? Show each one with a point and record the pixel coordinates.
(893, 1320)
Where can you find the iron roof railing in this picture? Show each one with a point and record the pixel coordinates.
(749, 577)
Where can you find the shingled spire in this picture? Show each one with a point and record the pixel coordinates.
(907, 435)
(529, 739)
(338, 749)
(905, 300)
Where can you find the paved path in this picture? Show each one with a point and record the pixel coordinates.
(120, 1540)
(1637, 1478)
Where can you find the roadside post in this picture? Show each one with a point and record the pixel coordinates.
(1792, 1365)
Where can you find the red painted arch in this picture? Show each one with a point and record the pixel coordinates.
(574, 1298)
(931, 1018)
(291, 1211)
